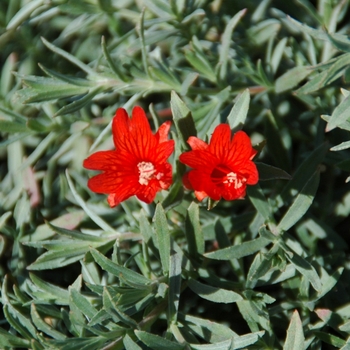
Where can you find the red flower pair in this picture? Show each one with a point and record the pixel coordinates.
(138, 166)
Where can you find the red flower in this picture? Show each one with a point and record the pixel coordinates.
(138, 166)
(223, 168)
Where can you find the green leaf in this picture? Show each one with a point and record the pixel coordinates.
(196, 57)
(303, 174)
(93, 216)
(114, 67)
(211, 332)
(42, 89)
(116, 270)
(174, 285)
(19, 322)
(239, 250)
(341, 146)
(194, 233)
(268, 172)
(81, 102)
(337, 69)
(156, 342)
(69, 57)
(292, 78)
(238, 113)
(130, 344)
(259, 201)
(163, 237)
(238, 342)
(53, 293)
(42, 326)
(226, 40)
(7, 340)
(214, 294)
(330, 339)
(301, 203)
(340, 114)
(305, 268)
(12, 126)
(82, 303)
(24, 13)
(56, 259)
(295, 335)
(182, 119)
(161, 8)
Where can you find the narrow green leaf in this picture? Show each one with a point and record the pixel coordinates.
(182, 119)
(130, 344)
(42, 326)
(161, 8)
(301, 203)
(303, 174)
(81, 102)
(56, 259)
(341, 146)
(59, 295)
(156, 342)
(174, 285)
(19, 322)
(163, 237)
(330, 339)
(259, 201)
(82, 303)
(292, 78)
(68, 57)
(226, 40)
(312, 85)
(8, 340)
(194, 233)
(295, 335)
(42, 89)
(268, 172)
(214, 294)
(337, 69)
(340, 114)
(210, 331)
(117, 270)
(306, 269)
(238, 342)
(114, 67)
(72, 80)
(198, 60)
(24, 13)
(239, 250)
(277, 54)
(12, 127)
(93, 216)
(239, 111)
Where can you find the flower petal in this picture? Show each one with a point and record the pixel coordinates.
(163, 151)
(220, 142)
(101, 160)
(240, 150)
(199, 159)
(202, 182)
(196, 143)
(250, 172)
(163, 131)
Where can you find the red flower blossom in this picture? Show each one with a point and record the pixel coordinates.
(138, 165)
(223, 168)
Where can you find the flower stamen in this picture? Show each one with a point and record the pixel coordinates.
(232, 178)
(146, 172)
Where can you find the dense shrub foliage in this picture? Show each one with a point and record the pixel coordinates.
(269, 271)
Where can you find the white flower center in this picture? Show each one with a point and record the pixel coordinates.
(146, 173)
(232, 178)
